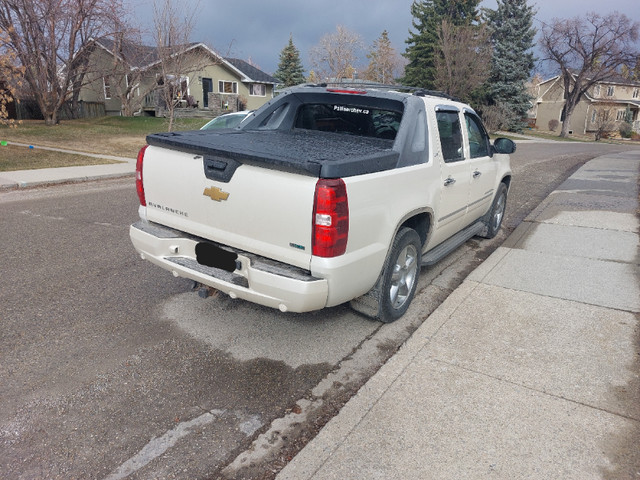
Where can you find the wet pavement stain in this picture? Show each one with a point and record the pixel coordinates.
(100, 428)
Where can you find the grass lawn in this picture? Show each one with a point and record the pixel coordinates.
(13, 157)
(555, 136)
(119, 136)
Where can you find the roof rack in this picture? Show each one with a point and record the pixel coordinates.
(417, 91)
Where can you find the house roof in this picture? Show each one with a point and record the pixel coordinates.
(142, 57)
(616, 79)
(255, 74)
(137, 56)
(635, 103)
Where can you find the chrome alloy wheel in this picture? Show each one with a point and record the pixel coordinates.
(404, 276)
(498, 212)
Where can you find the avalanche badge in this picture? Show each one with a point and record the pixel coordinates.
(214, 193)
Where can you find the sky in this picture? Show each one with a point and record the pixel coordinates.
(258, 30)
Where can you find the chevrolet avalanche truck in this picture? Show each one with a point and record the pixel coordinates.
(325, 195)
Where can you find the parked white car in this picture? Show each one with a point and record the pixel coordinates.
(227, 120)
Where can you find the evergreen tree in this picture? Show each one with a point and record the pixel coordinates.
(384, 62)
(423, 43)
(512, 38)
(290, 70)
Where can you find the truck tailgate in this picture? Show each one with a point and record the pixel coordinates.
(248, 212)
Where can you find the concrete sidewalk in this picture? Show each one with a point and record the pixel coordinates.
(529, 370)
(50, 176)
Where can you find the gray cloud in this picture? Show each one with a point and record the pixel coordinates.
(259, 30)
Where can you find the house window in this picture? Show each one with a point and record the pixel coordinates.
(227, 87)
(636, 92)
(621, 115)
(106, 81)
(596, 91)
(610, 91)
(594, 115)
(258, 90)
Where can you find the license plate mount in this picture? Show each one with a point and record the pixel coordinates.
(211, 255)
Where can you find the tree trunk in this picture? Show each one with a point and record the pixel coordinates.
(50, 119)
(75, 107)
(566, 118)
(170, 114)
(49, 112)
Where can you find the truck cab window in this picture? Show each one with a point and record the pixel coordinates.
(450, 136)
(349, 119)
(275, 118)
(478, 138)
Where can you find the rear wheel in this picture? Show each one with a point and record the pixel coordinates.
(399, 279)
(493, 219)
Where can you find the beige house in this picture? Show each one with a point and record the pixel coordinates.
(127, 78)
(615, 100)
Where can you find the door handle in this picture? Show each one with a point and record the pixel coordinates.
(449, 181)
(476, 174)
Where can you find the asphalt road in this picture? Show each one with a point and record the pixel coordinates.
(112, 368)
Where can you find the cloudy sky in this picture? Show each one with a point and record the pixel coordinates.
(258, 30)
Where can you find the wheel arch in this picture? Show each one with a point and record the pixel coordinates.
(507, 181)
(418, 221)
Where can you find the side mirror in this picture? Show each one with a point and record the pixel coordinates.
(504, 145)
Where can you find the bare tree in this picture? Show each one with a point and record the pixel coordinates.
(128, 76)
(464, 61)
(46, 36)
(604, 120)
(495, 116)
(177, 57)
(587, 51)
(336, 56)
(385, 64)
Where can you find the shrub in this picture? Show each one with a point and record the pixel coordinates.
(553, 125)
(494, 117)
(625, 130)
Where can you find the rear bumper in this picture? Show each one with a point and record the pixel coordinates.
(258, 280)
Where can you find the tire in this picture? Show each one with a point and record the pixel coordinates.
(399, 279)
(493, 218)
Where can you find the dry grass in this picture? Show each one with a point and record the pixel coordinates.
(119, 136)
(23, 158)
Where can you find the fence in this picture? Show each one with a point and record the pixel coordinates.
(28, 109)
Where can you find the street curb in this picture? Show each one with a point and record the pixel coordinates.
(12, 186)
(33, 178)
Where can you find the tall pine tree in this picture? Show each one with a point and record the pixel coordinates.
(512, 38)
(423, 43)
(290, 70)
(384, 62)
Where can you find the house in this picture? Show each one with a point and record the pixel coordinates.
(616, 100)
(128, 78)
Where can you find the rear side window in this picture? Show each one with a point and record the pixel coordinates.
(450, 136)
(276, 117)
(349, 119)
(478, 138)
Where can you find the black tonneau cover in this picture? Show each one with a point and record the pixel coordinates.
(316, 153)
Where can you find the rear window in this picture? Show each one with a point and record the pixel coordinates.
(349, 119)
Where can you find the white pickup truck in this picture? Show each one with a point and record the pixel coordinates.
(323, 196)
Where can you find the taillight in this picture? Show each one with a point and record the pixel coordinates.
(139, 184)
(330, 218)
(343, 90)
